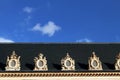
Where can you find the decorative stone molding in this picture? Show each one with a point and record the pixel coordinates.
(117, 64)
(40, 63)
(13, 62)
(68, 63)
(58, 74)
(94, 62)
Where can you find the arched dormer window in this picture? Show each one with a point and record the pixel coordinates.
(40, 63)
(68, 63)
(117, 64)
(94, 62)
(13, 62)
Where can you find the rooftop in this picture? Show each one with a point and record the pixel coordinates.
(54, 52)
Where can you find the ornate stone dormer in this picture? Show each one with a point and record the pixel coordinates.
(13, 62)
(94, 62)
(40, 63)
(68, 63)
(117, 64)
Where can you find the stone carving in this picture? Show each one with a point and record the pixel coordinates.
(40, 63)
(94, 62)
(13, 62)
(117, 64)
(68, 63)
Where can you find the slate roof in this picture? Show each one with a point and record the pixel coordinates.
(54, 52)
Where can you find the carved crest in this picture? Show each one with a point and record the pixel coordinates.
(117, 64)
(68, 63)
(13, 62)
(40, 63)
(94, 62)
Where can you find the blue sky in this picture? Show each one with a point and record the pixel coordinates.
(59, 20)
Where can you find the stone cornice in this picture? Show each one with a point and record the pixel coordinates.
(57, 74)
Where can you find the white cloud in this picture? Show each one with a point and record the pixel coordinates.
(4, 40)
(27, 9)
(84, 40)
(49, 29)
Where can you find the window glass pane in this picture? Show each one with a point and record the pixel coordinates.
(40, 63)
(68, 63)
(95, 63)
(13, 63)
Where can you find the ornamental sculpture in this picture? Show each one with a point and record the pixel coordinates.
(13, 62)
(117, 64)
(40, 63)
(94, 62)
(68, 63)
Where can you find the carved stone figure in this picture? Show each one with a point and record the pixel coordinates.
(94, 62)
(13, 62)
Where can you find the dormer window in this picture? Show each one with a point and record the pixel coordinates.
(68, 63)
(117, 64)
(13, 62)
(40, 63)
(94, 62)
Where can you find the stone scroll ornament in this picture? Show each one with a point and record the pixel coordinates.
(117, 63)
(94, 62)
(67, 63)
(40, 63)
(13, 62)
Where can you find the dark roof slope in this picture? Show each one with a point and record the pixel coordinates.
(54, 52)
